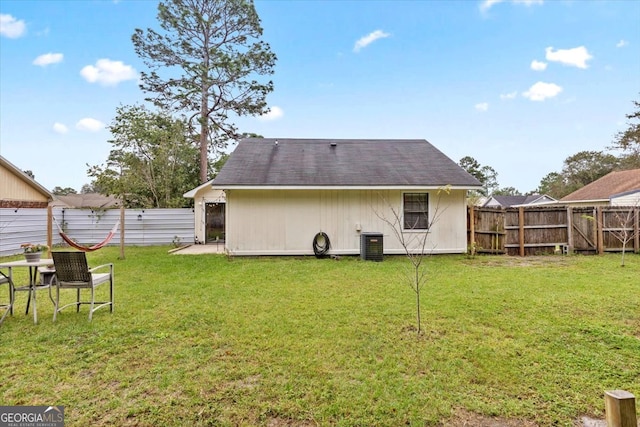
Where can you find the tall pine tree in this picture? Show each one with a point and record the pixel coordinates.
(205, 63)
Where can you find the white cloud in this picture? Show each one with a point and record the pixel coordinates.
(60, 128)
(274, 114)
(622, 43)
(90, 125)
(577, 57)
(368, 39)
(538, 65)
(48, 58)
(488, 4)
(510, 95)
(485, 5)
(108, 72)
(482, 107)
(541, 91)
(11, 27)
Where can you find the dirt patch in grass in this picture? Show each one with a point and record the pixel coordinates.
(282, 422)
(517, 261)
(464, 418)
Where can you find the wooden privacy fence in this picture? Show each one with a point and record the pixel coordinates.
(537, 230)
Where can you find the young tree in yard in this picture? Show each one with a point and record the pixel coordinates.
(204, 63)
(153, 162)
(414, 244)
(623, 227)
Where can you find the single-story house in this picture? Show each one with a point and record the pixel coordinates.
(518, 200)
(19, 190)
(618, 188)
(280, 195)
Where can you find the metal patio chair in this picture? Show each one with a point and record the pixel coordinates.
(6, 306)
(73, 272)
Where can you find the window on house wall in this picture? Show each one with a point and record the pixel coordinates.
(416, 211)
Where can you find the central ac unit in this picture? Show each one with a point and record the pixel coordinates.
(371, 246)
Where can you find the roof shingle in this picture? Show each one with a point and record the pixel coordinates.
(340, 162)
(602, 189)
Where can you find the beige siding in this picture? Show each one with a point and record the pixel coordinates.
(13, 187)
(284, 222)
(632, 199)
(202, 197)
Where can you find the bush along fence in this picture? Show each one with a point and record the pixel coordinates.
(537, 230)
(138, 227)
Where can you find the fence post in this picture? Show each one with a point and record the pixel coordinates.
(570, 228)
(600, 230)
(620, 408)
(472, 228)
(121, 232)
(636, 231)
(521, 229)
(49, 230)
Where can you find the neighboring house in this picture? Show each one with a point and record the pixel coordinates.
(281, 193)
(19, 190)
(509, 201)
(618, 188)
(86, 201)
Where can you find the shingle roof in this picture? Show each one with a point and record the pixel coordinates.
(340, 162)
(508, 201)
(602, 189)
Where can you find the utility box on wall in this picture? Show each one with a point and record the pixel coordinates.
(371, 246)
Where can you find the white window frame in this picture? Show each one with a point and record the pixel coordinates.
(404, 211)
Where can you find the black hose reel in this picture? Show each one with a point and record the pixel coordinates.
(321, 244)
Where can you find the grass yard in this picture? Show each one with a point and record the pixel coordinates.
(205, 340)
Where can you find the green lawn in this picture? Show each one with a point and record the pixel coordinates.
(206, 340)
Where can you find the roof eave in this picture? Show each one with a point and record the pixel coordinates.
(344, 187)
(192, 193)
(26, 178)
(573, 202)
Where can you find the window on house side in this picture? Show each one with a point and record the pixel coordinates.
(416, 211)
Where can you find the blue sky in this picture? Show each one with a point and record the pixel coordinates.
(519, 85)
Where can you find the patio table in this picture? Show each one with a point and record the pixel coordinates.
(33, 284)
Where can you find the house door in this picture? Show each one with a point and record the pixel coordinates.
(214, 219)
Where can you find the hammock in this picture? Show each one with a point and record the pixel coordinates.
(87, 248)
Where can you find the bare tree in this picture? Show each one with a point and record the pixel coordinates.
(624, 227)
(415, 245)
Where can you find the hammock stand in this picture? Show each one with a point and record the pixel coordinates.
(87, 248)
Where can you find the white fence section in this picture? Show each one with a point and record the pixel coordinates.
(143, 227)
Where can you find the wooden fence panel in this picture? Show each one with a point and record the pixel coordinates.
(537, 230)
(584, 230)
(488, 231)
(619, 228)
